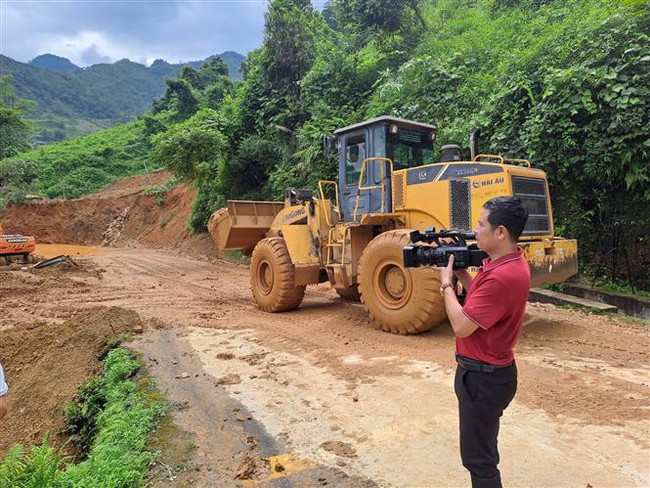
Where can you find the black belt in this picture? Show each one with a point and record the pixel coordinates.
(479, 366)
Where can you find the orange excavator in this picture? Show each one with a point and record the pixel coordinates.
(16, 246)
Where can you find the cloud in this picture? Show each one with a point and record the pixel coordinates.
(85, 48)
(92, 56)
(88, 32)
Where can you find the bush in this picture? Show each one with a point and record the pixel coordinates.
(110, 424)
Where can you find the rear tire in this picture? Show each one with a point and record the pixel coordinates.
(273, 277)
(401, 300)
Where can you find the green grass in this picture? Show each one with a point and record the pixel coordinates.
(558, 287)
(114, 415)
(161, 189)
(76, 167)
(618, 287)
(237, 257)
(606, 285)
(584, 308)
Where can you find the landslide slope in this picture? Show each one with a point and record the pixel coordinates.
(128, 213)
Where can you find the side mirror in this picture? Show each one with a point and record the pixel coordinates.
(328, 142)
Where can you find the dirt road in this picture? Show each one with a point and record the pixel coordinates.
(322, 396)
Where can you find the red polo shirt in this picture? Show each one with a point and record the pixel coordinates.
(496, 301)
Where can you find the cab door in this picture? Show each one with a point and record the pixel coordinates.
(364, 196)
(352, 152)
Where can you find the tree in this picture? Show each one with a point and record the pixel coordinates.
(16, 179)
(196, 149)
(216, 92)
(189, 74)
(214, 82)
(272, 74)
(255, 158)
(385, 16)
(288, 42)
(212, 71)
(192, 149)
(179, 98)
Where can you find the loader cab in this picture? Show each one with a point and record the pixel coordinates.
(364, 169)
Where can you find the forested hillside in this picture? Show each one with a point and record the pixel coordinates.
(81, 165)
(72, 101)
(563, 83)
(53, 63)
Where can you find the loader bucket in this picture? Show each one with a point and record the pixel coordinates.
(551, 261)
(242, 224)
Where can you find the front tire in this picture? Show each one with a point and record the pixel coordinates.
(401, 300)
(273, 277)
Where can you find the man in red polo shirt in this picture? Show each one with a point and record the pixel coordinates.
(487, 327)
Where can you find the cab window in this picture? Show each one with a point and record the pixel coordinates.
(409, 148)
(355, 153)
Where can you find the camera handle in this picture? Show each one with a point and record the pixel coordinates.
(430, 236)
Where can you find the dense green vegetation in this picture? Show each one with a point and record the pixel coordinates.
(72, 102)
(109, 424)
(53, 63)
(76, 167)
(563, 83)
(15, 131)
(560, 82)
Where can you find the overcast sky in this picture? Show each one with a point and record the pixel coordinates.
(100, 31)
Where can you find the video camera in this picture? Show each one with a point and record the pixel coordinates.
(464, 255)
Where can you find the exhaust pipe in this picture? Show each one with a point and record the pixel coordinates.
(473, 142)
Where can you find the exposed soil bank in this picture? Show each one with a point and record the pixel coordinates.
(46, 362)
(124, 214)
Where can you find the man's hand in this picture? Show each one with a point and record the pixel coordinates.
(446, 273)
(460, 323)
(3, 406)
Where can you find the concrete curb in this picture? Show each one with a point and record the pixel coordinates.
(548, 296)
(632, 305)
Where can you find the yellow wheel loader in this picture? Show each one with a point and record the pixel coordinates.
(353, 232)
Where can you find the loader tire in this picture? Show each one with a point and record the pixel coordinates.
(349, 294)
(272, 277)
(401, 300)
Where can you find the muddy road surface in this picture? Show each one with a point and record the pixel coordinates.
(321, 396)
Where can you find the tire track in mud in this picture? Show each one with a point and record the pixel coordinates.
(589, 394)
(188, 290)
(199, 279)
(557, 348)
(322, 313)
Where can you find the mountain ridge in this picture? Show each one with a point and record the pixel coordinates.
(54, 63)
(72, 102)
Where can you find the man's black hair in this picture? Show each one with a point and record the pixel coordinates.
(508, 212)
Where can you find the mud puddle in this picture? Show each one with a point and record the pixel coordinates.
(51, 250)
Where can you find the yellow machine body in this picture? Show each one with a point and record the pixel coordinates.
(329, 239)
(316, 239)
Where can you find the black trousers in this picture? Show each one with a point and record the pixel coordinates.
(482, 398)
